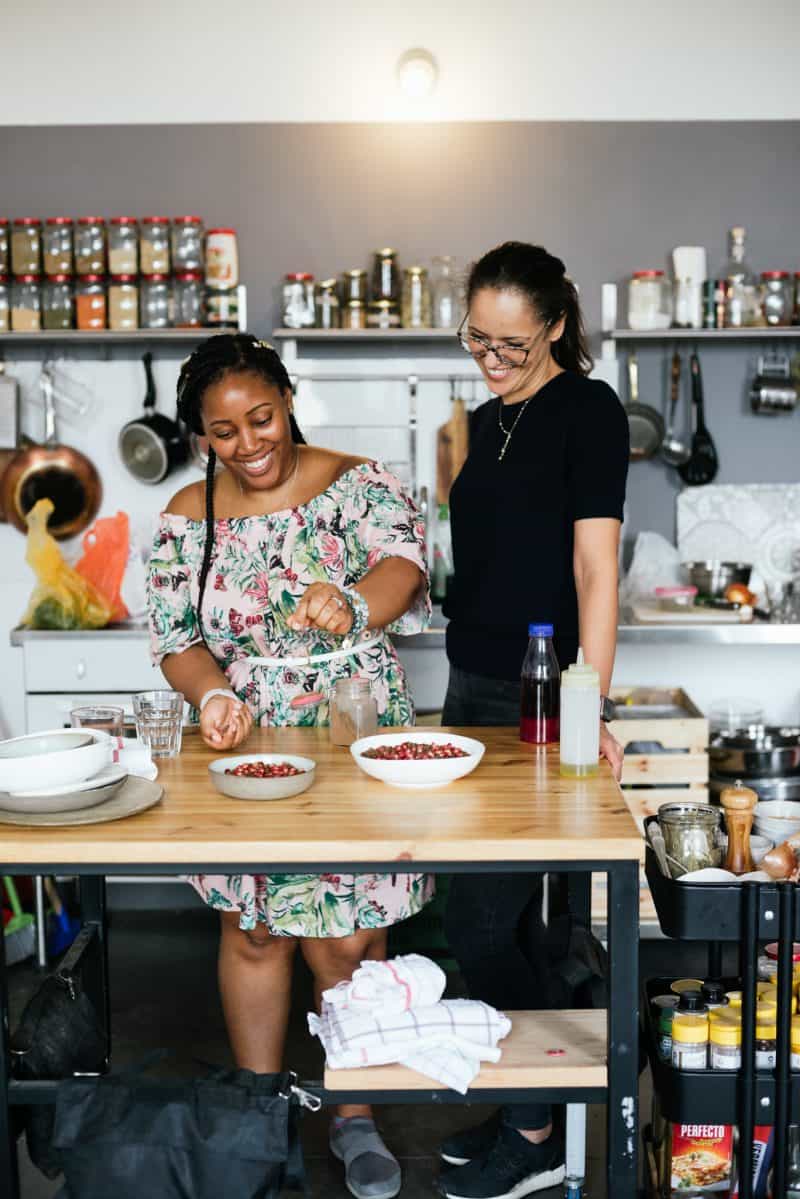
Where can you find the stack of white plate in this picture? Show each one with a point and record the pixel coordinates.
(63, 770)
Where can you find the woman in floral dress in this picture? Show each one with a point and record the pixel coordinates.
(292, 552)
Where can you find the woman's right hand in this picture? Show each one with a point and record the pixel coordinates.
(225, 722)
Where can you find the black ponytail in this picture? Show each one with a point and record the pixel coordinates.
(227, 353)
(541, 278)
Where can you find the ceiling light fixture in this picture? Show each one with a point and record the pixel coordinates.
(417, 73)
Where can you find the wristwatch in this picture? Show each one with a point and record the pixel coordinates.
(608, 709)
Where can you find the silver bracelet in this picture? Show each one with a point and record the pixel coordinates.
(360, 609)
(209, 695)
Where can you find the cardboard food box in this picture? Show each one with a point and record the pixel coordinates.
(700, 1160)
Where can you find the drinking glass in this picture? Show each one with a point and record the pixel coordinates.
(159, 721)
(107, 718)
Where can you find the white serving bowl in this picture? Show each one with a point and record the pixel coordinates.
(53, 758)
(427, 773)
(759, 845)
(777, 819)
(241, 787)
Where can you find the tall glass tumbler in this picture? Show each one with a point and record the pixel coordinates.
(159, 721)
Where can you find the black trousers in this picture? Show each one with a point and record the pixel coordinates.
(493, 921)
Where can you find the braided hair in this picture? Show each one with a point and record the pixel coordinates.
(227, 353)
(541, 278)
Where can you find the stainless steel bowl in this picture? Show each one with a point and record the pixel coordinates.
(712, 578)
(760, 752)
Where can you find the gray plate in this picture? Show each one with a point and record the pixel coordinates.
(74, 801)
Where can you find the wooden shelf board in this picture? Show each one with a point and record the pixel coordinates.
(773, 332)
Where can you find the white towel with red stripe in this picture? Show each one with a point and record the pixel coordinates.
(393, 1020)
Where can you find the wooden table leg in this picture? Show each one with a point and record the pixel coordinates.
(623, 1030)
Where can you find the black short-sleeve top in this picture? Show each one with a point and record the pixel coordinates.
(512, 522)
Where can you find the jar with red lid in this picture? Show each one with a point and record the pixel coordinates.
(26, 304)
(187, 243)
(777, 297)
(58, 308)
(649, 300)
(5, 303)
(154, 246)
(222, 259)
(123, 246)
(188, 300)
(90, 302)
(26, 246)
(123, 302)
(298, 301)
(57, 246)
(5, 256)
(90, 246)
(155, 302)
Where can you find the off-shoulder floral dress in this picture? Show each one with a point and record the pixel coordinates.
(261, 567)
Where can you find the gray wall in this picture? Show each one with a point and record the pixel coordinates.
(607, 197)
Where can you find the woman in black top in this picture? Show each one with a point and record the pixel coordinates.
(535, 517)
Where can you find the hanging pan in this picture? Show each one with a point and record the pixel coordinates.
(645, 423)
(153, 445)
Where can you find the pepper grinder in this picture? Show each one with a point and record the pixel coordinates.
(738, 803)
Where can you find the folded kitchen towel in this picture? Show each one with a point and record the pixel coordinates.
(394, 986)
(134, 756)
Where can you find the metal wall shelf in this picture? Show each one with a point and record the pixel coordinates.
(365, 335)
(765, 333)
(104, 337)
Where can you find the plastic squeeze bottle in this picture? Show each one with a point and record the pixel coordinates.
(539, 703)
(580, 720)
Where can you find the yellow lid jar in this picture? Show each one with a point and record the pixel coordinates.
(690, 1040)
(725, 1043)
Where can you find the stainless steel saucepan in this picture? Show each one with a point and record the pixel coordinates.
(760, 752)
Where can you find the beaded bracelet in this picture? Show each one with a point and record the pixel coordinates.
(360, 610)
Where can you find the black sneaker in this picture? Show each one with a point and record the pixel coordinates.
(512, 1168)
(463, 1146)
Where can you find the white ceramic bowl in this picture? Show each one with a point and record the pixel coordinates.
(759, 845)
(433, 772)
(52, 759)
(241, 787)
(777, 819)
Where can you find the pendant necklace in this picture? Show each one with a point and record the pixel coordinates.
(508, 432)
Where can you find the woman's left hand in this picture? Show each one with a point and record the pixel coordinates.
(611, 750)
(323, 607)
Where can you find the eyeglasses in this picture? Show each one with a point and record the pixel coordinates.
(479, 347)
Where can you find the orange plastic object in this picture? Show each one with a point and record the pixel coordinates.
(105, 555)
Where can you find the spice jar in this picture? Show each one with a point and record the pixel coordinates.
(5, 304)
(90, 246)
(354, 712)
(5, 254)
(768, 998)
(154, 246)
(222, 259)
(690, 834)
(714, 995)
(690, 1040)
(725, 1044)
(298, 301)
(795, 1043)
(57, 246)
(326, 305)
(686, 984)
(58, 308)
(354, 287)
(777, 297)
(221, 308)
(354, 315)
(649, 301)
(90, 302)
(123, 245)
(123, 302)
(766, 1041)
(26, 238)
(187, 243)
(416, 298)
(26, 304)
(188, 293)
(663, 1012)
(385, 276)
(155, 302)
(383, 314)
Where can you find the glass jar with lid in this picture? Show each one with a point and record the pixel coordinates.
(298, 301)
(5, 304)
(354, 712)
(385, 276)
(326, 305)
(154, 248)
(26, 246)
(123, 245)
(222, 259)
(5, 250)
(57, 245)
(354, 315)
(26, 304)
(354, 287)
(446, 298)
(188, 300)
(123, 302)
(187, 244)
(221, 307)
(90, 246)
(383, 314)
(649, 300)
(777, 297)
(58, 307)
(155, 302)
(90, 302)
(416, 298)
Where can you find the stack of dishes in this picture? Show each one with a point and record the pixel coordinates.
(64, 770)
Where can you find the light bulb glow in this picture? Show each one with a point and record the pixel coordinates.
(417, 72)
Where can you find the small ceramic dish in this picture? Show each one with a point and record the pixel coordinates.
(425, 772)
(238, 786)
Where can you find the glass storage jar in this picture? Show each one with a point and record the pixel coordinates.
(58, 306)
(123, 245)
(57, 245)
(766, 1041)
(326, 305)
(222, 259)
(26, 246)
(155, 302)
(90, 302)
(725, 1043)
(5, 252)
(354, 287)
(188, 300)
(5, 304)
(383, 314)
(445, 293)
(26, 304)
(690, 1041)
(354, 712)
(154, 247)
(354, 315)
(90, 246)
(416, 312)
(690, 835)
(777, 297)
(221, 308)
(298, 301)
(385, 276)
(796, 314)
(187, 244)
(123, 302)
(649, 300)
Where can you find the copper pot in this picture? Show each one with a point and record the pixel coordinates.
(54, 471)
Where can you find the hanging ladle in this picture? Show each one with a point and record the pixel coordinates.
(674, 451)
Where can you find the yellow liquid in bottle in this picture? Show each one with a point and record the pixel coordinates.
(570, 771)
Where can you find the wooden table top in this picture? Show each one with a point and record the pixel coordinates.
(514, 807)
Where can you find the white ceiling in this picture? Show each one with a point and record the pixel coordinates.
(157, 61)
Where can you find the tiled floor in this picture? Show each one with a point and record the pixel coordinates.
(164, 995)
